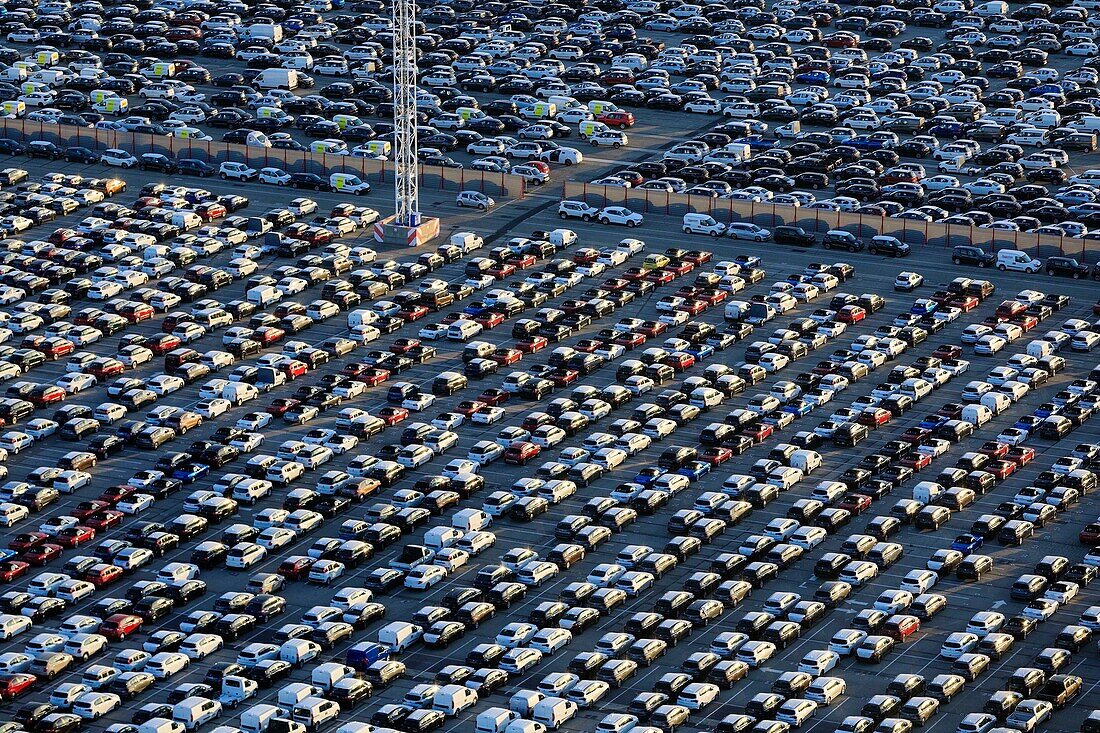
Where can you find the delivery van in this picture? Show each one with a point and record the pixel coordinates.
(494, 720)
(348, 183)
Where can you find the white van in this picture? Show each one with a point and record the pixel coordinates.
(806, 461)
(927, 492)
(161, 725)
(1039, 349)
(195, 712)
(554, 712)
(257, 718)
(706, 398)
(398, 636)
(467, 241)
(995, 402)
(494, 720)
(186, 220)
(348, 183)
(703, 224)
(1012, 259)
(978, 415)
(453, 699)
(263, 295)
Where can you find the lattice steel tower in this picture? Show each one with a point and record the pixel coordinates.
(404, 113)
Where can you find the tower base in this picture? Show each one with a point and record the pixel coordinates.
(400, 235)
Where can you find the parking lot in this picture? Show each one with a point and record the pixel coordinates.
(872, 275)
(644, 339)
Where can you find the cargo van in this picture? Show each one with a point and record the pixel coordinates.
(995, 402)
(277, 79)
(453, 699)
(195, 712)
(494, 720)
(348, 183)
(554, 712)
(399, 636)
(313, 712)
(978, 415)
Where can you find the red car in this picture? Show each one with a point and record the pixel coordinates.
(630, 340)
(947, 351)
(564, 377)
(373, 376)
(294, 368)
(520, 453)
(469, 407)
(75, 536)
(14, 685)
(615, 283)
(855, 503)
(42, 554)
(114, 494)
(268, 335)
(393, 415)
(520, 262)
(916, 461)
(490, 319)
(713, 297)
(403, 346)
(504, 356)
(501, 270)
(1020, 455)
(994, 450)
(1001, 469)
(619, 119)
(679, 268)
(494, 396)
(851, 314)
(103, 574)
(758, 432)
(27, 540)
(106, 369)
(1026, 322)
(660, 277)
(1090, 535)
(874, 417)
(280, 405)
(295, 568)
(413, 313)
(966, 303)
(588, 346)
(698, 256)
(634, 273)
(164, 343)
(916, 436)
(653, 329)
(120, 625)
(532, 344)
(12, 569)
(680, 362)
(716, 456)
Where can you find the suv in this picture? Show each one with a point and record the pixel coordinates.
(1066, 267)
(793, 235)
(888, 245)
(969, 255)
(842, 240)
(157, 162)
(577, 210)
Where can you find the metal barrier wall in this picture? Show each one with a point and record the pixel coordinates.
(910, 231)
(214, 152)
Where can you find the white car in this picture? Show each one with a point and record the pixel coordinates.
(474, 199)
(274, 176)
(237, 171)
(746, 230)
(620, 215)
(135, 504)
(423, 577)
(908, 281)
(211, 409)
(119, 158)
(577, 210)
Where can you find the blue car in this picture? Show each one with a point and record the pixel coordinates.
(475, 309)
(701, 351)
(189, 473)
(923, 307)
(1045, 410)
(757, 142)
(695, 470)
(932, 422)
(1028, 423)
(813, 77)
(802, 409)
(967, 543)
(648, 475)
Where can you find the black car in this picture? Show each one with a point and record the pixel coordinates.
(81, 155)
(195, 167)
(11, 147)
(309, 180)
(1066, 267)
(157, 162)
(793, 235)
(43, 149)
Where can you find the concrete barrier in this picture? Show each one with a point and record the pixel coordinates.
(379, 172)
(932, 234)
